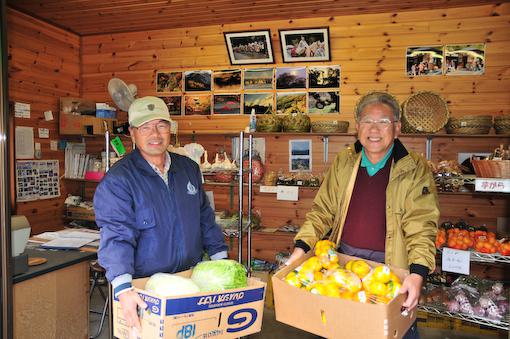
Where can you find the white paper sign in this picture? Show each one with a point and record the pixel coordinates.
(21, 110)
(268, 189)
(456, 261)
(24, 137)
(44, 133)
(289, 193)
(48, 115)
(53, 145)
(492, 185)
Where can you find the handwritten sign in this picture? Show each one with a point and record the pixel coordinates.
(492, 185)
(289, 193)
(456, 261)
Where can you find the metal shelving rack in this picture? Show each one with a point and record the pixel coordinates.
(503, 324)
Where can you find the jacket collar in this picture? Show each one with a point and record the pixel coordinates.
(143, 165)
(399, 150)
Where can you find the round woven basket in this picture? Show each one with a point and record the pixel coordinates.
(296, 122)
(330, 126)
(470, 124)
(502, 124)
(268, 123)
(424, 112)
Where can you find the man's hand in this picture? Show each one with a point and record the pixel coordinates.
(128, 301)
(298, 253)
(412, 286)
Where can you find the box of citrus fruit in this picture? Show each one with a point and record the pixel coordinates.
(338, 296)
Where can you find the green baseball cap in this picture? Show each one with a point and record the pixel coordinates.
(146, 109)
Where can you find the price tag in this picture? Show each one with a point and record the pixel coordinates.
(289, 193)
(492, 185)
(456, 261)
(268, 189)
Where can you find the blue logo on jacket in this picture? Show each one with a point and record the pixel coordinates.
(191, 189)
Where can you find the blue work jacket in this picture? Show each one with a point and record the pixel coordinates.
(147, 226)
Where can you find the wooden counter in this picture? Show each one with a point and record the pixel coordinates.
(51, 300)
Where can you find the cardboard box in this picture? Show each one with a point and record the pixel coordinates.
(338, 318)
(230, 314)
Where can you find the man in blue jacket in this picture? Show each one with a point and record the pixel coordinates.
(152, 210)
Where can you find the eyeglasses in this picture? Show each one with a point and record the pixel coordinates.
(380, 123)
(162, 127)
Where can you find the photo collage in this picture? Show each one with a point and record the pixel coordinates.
(281, 90)
(467, 59)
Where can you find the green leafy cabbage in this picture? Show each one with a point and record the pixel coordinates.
(219, 275)
(170, 285)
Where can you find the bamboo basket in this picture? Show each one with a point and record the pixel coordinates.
(424, 112)
(330, 126)
(470, 124)
(296, 122)
(502, 124)
(491, 168)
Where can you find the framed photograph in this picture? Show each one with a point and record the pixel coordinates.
(427, 60)
(300, 155)
(290, 77)
(227, 80)
(195, 81)
(174, 104)
(227, 104)
(323, 102)
(324, 76)
(290, 102)
(249, 47)
(305, 44)
(465, 59)
(260, 102)
(169, 82)
(258, 78)
(198, 104)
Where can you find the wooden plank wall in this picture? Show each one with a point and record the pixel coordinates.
(370, 49)
(44, 64)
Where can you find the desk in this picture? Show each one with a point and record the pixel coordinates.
(51, 300)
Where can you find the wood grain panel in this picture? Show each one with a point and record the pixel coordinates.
(101, 16)
(370, 49)
(44, 64)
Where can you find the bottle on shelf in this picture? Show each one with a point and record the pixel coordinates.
(253, 121)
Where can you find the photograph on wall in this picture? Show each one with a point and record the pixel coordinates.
(300, 155)
(174, 104)
(169, 81)
(227, 80)
(195, 81)
(262, 103)
(250, 47)
(37, 179)
(323, 102)
(290, 77)
(199, 104)
(465, 59)
(305, 44)
(227, 104)
(290, 102)
(258, 78)
(425, 60)
(324, 76)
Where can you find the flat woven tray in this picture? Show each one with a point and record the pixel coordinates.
(470, 124)
(424, 112)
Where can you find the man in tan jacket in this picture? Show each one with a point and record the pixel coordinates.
(378, 201)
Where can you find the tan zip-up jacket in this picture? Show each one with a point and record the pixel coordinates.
(412, 209)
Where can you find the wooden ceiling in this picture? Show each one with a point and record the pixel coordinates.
(87, 17)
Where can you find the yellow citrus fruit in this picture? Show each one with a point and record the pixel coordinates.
(318, 276)
(347, 280)
(394, 278)
(361, 268)
(378, 288)
(292, 279)
(382, 274)
(312, 264)
(348, 266)
(318, 288)
(394, 287)
(332, 289)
